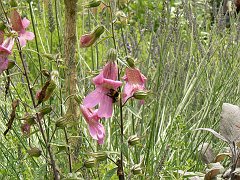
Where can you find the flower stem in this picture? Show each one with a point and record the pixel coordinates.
(120, 171)
(36, 41)
(55, 171)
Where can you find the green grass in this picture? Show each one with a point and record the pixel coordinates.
(192, 68)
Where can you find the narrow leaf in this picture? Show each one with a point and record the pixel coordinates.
(214, 133)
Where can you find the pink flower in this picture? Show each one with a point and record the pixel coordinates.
(5, 50)
(96, 129)
(20, 25)
(87, 40)
(105, 82)
(135, 81)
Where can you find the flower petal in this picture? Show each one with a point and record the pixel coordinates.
(135, 81)
(6, 46)
(101, 133)
(3, 63)
(86, 40)
(16, 21)
(98, 80)
(134, 76)
(127, 92)
(105, 107)
(93, 98)
(93, 130)
(111, 84)
(22, 41)
(25, 23)
(28, 35)
(110, 70)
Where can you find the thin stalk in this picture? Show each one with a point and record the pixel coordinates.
(33, 101)
(120, 171)
(36, 40)
(60, 91)
(55, 171)
(57, 23)
(69, 152)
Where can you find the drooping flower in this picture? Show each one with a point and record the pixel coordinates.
(87, 40)
(5, 50)
(105, 82)
(96, 129)
(135, 81)
(47, 90)
(20, 25)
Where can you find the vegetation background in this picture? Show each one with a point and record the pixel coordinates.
(192, 64)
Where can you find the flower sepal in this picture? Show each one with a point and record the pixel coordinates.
(140, 95)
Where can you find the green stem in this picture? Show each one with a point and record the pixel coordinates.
(120, 171)
(55, 171)
(36, 40)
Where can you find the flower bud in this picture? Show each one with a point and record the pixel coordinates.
(47, 90)
(13, 3)
(11, 64)
(136, 169)
(112, 55)
(133, 140)
(61, 122)
(49, 56)
(25, 128)
(140, 95)
(93, 3)
(88, 40)
(130, 61)
(34, 152)
(90, 163)
(45, 110)
(100, 156)
(98, 31)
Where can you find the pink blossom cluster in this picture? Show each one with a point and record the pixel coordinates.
(105, 83)
(18, 25)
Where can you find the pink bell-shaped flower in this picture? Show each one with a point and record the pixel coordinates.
(5, 50)
(95, 128)
(88, 40)
(135, 81)
(19, 25)
(105, 82)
